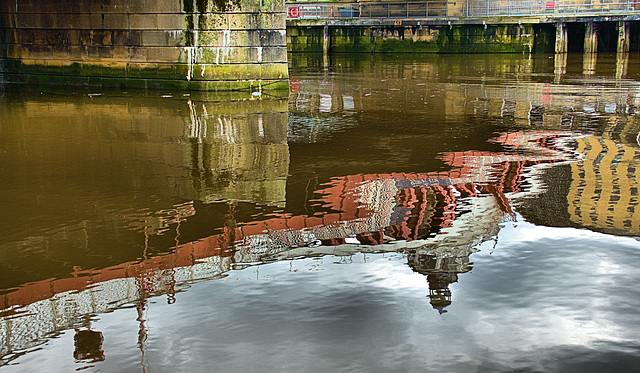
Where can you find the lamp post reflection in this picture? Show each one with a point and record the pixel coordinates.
(437, 218)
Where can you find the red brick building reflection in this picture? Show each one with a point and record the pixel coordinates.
(369, 209)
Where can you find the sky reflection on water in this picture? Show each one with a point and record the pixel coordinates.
(417, 216)
(550, 299)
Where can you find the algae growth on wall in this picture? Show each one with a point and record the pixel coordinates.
(164, 44)
(468, 38)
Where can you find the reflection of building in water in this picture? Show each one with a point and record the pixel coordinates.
(604, 185)
(439, 218)
(378, 208)
(206, 150)
(88, 345)
(128, 157)
(446, 255)
(238, 155)
(600, 190)
(314, 118)
(522, 103)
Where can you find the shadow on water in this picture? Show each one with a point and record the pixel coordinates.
(117, 198)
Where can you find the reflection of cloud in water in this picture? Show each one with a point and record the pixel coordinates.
(439, 218)
(559, 293)
(332, 316)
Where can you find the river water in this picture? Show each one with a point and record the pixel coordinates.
(388, 213)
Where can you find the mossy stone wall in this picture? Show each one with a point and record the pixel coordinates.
(429, 39)
(186, 44)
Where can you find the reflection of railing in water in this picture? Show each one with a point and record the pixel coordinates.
(523, 103)
(469, 8)
(414, 211)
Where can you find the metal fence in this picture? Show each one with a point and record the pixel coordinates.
(468, 8)
(366, 10)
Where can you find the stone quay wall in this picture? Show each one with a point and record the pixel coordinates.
(500, 38)
(156, 44)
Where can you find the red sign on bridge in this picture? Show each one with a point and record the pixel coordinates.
(294, 12)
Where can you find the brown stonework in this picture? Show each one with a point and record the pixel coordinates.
(198, 42)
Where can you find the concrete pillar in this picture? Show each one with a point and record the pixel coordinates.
(326, 40)
(561, 37)
(590, 38)
(623, 37)
(326, 47)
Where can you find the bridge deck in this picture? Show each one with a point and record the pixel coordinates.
(460, 12)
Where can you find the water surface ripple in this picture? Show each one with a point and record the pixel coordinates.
(393, 213)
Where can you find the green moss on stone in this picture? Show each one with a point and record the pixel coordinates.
(407, 46)
(456, 39)
(141, 76)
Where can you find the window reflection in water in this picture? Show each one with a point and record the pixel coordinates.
(218, 158)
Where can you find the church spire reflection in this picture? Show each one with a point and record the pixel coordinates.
(437, 218)
(238, 156)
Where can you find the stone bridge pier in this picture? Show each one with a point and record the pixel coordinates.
(591, 34)
(157, 44)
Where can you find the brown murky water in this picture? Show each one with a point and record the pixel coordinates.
(393, 213)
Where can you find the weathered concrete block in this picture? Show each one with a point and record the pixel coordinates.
(213, 21)
(39, 37)
(169, 22)
(273, 54)
(93, 52)
(155, 38)
(9, 20)
(254, 21)
(102, 37)
(115, 21)
(143, 21)
(43, 20)
(57, 37)
(129, 38)
(239, 71)
(271, 38)
(79, 37)
(191, 44)
(61, 53)
(106, 53)
(274, 71)
(239, 38)
(166, 71)
(163, 54)
(163, 6)
(91, 37)
(273, 6)
(80, 21)
(138, 54)
(120, 53)
(61, 65)
(40, 51)
(63, 20)
(78, 53)
(25, 21)
(14, 51)
(142, 70)
(113, 6)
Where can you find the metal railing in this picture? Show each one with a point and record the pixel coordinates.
(457, 8)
